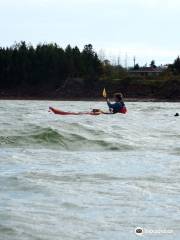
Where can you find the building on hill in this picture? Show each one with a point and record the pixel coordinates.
(147, 71)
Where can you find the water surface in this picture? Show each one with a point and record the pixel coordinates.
(88, 177)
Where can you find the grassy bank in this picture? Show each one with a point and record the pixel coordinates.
(132, 88)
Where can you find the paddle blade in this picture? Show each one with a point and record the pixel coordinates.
(104, 93)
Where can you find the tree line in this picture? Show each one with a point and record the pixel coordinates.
(25, 65)
(49, 66)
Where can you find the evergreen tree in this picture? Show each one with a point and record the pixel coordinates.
(136, 67)
(152, 64)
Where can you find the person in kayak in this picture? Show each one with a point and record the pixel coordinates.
(118, 106)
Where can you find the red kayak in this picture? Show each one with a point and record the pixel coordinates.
(60, 112)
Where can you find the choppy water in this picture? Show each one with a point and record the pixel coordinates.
(88, 177)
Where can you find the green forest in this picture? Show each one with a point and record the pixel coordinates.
(50, 72)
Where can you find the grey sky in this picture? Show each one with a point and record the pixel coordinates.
(146, 29)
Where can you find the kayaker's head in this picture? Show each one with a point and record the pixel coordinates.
(118, 97)
(176, 115)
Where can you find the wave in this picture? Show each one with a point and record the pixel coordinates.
(64, 139)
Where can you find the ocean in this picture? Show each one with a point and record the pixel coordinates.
(89, 177)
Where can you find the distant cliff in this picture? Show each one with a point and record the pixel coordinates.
(156, 89)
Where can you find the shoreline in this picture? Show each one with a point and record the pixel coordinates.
(86, 99)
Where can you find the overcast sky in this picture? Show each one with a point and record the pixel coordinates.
(147, 29)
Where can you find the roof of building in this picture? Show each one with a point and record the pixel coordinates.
(148, 70)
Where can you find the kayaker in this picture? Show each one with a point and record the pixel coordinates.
(118, 106)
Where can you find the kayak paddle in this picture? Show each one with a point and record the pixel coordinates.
(104, 93)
